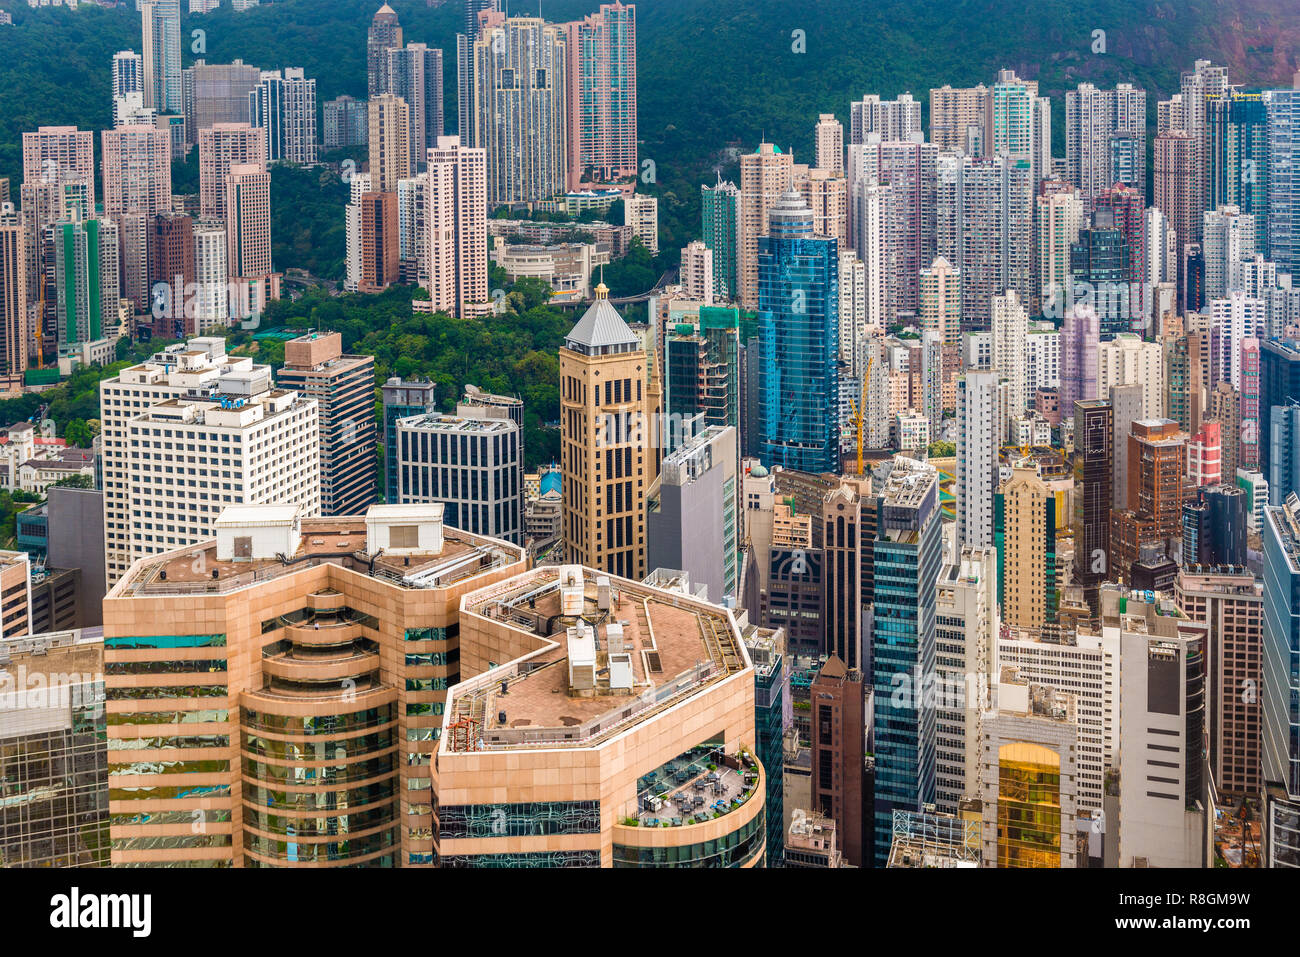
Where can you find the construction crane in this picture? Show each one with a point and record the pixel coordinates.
(40, 327)
(860, 408)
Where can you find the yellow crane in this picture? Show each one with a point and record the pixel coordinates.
(40, 326)
(860, 408)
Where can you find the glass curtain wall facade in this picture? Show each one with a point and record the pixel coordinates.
(798, 294)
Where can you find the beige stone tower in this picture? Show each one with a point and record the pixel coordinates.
(609, 450)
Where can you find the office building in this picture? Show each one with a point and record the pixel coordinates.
(608, 452)
(966, 622)
(470, 462)
(192, 381)
(692, 520)
(798, 295)
(1230, 601)
(837, 747)
(53, 751)
(700, 717)
(1162, 785)
(907, 560)
(344, 389)
(375, 638)
(1028, 776)
(1024, 535)
(402, 399)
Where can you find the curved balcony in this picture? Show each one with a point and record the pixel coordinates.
(676, 829)
(293, 667)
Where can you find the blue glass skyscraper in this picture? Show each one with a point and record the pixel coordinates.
(1280, 701)
(798, 324)
(907, 558)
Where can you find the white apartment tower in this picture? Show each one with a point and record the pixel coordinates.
(456, 222)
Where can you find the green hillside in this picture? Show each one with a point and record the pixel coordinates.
(712, 73)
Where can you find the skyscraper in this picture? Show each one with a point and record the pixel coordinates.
(13, 300)
(907, 560)
(401, 399)
(1091, 117)
(519, 102)
(344, 389)
(1024, 534)
(602, 96)
(128, 78)
(248, 223)
(765, 175)
(85, 280)
(222, 406)
(379, 259)
(1280, 756)
(161, 27)
(720, 209)
(608, 451)
(385, 33)
(220, 147)
(219, 93)
(1283, 110)
(284, 105)
(59, 157)
(137, 170)
(692, 523)
(798, 296)
(390, 142)
(828, 139)
(979, 418)
(415, 75)
(455, 205)
(465, 115)
(1238, 156)
(994, 230)
(1094, 462)
(893, 119)
(378, 645)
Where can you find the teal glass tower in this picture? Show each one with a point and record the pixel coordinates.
(798, 323)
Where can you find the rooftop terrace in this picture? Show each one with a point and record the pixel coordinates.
(606, 652)
(341, 541)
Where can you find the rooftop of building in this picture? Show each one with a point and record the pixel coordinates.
(599, 654)
(929, 838)
(59, 655)
(446, 422)
(283, 542)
